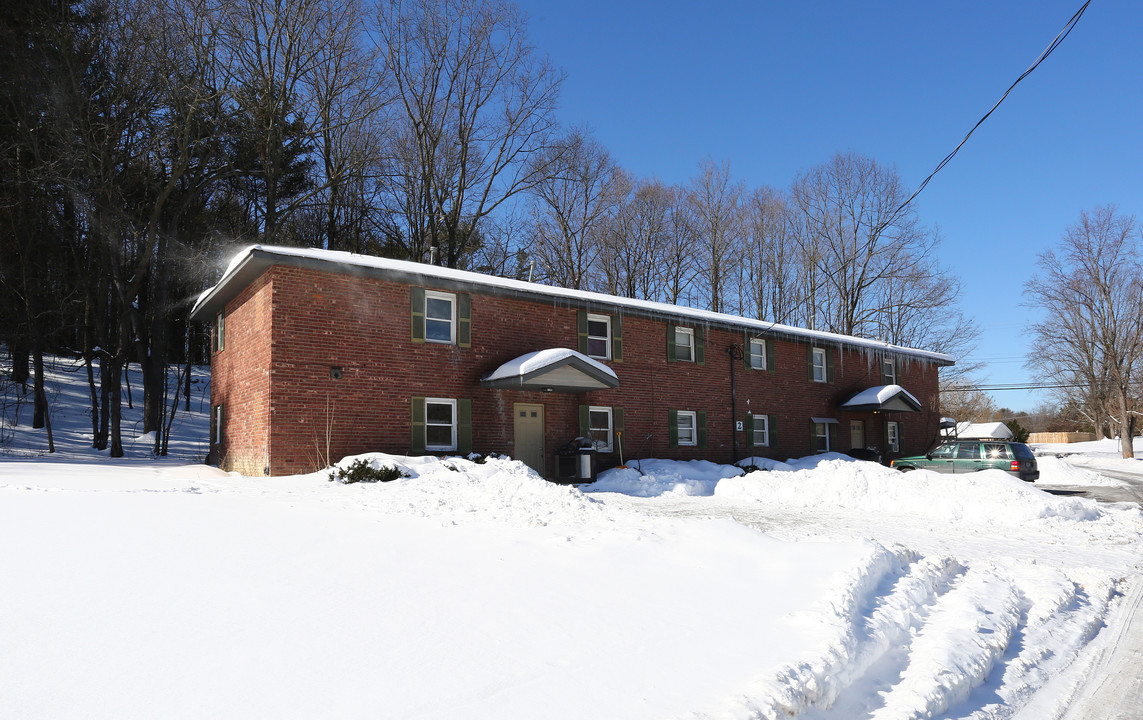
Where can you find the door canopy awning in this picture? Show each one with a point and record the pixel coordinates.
(883, 398)
(552, 370)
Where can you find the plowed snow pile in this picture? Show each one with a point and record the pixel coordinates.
(818, 589)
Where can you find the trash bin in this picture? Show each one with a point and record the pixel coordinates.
(586, 459)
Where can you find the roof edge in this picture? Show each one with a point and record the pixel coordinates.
(253, 260)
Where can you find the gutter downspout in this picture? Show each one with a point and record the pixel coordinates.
(735, 353)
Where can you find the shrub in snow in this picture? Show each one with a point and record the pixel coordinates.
(363, 471)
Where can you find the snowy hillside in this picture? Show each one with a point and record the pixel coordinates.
(819, 588)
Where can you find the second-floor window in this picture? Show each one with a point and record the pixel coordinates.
(684, 344)
(440, 317)
(219, 332)
(888, 372)
(757, 350)
(599, 336)
(818, 361)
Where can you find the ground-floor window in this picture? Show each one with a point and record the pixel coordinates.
(440, 424)
(599, 422)
(821, 433)
(892, 437)
(688, 428)
(759, 429)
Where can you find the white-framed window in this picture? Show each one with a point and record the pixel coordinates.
(219, 332)
(217, 425)
(688, 428)
(821, 433)
(761, 430)
(440, 317)
(889, 371)
(440, 424)
(758, 354)
(892, 437)
(684, 344)
(819, 365)
(599, 421)
(599, 336)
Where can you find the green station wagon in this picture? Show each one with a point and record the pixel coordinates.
(965, 456)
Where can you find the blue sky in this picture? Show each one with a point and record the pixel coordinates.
(776, 88)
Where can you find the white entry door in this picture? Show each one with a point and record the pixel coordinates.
(857, 433)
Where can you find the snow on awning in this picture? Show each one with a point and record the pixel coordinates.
(554, 369)
(827, 421)
(884, 398)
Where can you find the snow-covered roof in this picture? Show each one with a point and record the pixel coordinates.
(252, 261)
(884, 397)
(552, 369)
(990, 430)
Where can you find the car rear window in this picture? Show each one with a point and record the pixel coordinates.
(1022, 451)
(996, 451)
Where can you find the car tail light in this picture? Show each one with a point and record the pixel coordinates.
(892, 463)
(1015, 466)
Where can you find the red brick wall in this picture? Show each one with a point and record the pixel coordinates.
(240, 380)
(362, 325)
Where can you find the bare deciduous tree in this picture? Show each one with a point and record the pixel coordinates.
(636, 239)
(716, 201)
(1092, 290)
(476, 108)
(573, 206)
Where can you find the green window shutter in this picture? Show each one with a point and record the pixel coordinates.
(581, 329)
(418, 445)
(617, 338)
(770, 436)
(829, 365)
(617, 419)
(700, 347)
(901, 438)
(747, 348)
(673, 428)
(815, 441)
(671, 356)
(584, 421)
(464, 426)
(417, 300)
(464, 320)
(749, 429)
(810, 360)
(770, 355)
(700, 420)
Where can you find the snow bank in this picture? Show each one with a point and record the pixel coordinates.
(650, 478)
(832, 480)
(497, 490)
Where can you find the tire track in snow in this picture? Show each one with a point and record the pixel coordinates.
(876, 613)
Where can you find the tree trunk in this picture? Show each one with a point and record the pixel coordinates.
(1126, 442)
(20, 368)
(39, 398)
(94, 398)
(115, 400)
(105, 384)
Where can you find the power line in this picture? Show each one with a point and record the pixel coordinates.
(1017, 386)
(1043, 56)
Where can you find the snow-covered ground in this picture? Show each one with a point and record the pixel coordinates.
(819, 588)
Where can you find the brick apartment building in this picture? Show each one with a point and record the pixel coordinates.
(319, 354)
